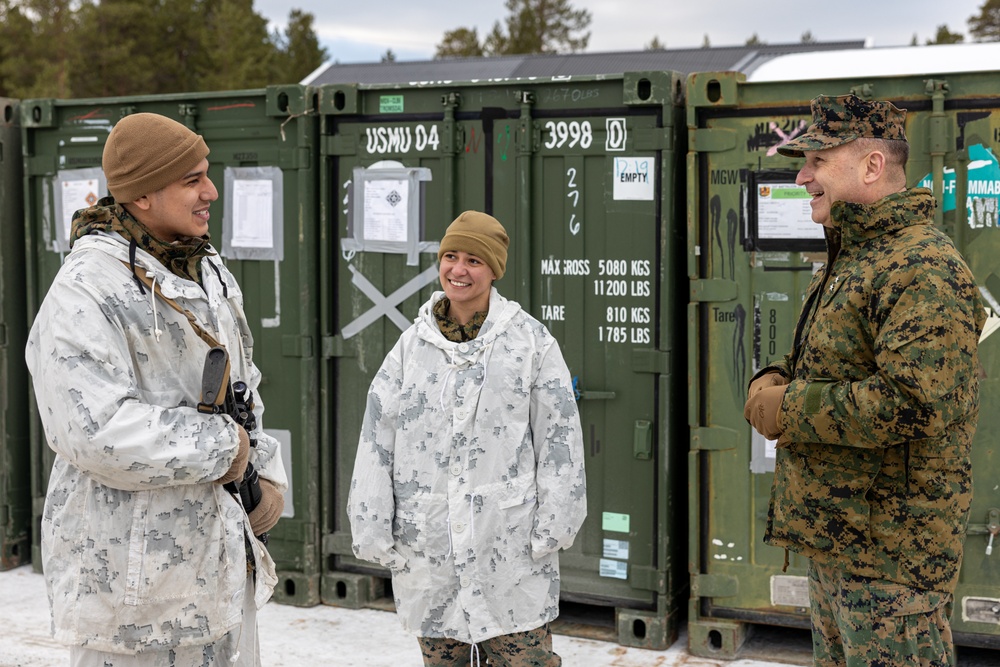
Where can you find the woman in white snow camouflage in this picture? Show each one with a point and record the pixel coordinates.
(469, 475)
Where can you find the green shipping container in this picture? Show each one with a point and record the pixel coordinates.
(15, 487)
(583, 173)
(752, 249)
(263, 147)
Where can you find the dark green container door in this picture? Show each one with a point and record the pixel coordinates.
(593, 265)
(15, 486)
(264, 148)
(386, 143)
(582, 173)
(752, 250)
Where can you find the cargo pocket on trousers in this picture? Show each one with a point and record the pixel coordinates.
(891, 599)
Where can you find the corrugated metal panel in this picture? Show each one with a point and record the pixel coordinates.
(685, 61)
(884, 61)
(463, 69)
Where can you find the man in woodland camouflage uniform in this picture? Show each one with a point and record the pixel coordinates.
(875, 407)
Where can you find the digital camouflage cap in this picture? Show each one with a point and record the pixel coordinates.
(839, 120)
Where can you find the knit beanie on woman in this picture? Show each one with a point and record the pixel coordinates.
(480, 235)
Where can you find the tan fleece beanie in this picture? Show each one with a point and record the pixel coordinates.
(480, 235)
(146, 152)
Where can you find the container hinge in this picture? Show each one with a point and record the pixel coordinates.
(648, 360)
(339, 544)
(38, 113)
(340, 144)
(188, 114)
(713, 289)
(452, 136)
(714, 439)
(993, 520)
(297, 346)
(302, 158)
(714, 586)
(706, 140)
(335, 346)
(648, 579)
(654, 139)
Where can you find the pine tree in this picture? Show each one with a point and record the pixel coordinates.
(299, 52)
(985, 26)
(125, 64)
(459, 43)
(37, 43)
(945, 36)
(245, 58)
(532, 26)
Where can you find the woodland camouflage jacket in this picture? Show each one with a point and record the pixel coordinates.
(873, 469)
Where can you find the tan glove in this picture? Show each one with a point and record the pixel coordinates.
(239, 466)
(762, 411)
(772, 379)
(268, 510)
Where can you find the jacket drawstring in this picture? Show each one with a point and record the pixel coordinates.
(487, 353)
(474, 655)
(152, 304)
(450, 545)
(218, 274)
(132, 245)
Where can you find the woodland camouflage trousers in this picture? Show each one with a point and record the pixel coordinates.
(520, 649)
(863, 622)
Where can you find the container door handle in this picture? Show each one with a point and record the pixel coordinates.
(642, 440)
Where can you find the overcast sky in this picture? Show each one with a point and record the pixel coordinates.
(362, 30)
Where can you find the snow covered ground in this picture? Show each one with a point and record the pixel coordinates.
(304, 637)
(337, 637)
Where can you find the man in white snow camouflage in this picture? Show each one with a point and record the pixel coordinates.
(148, 559)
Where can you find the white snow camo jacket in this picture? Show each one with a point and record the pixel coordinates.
(469, 475)
(141, 548)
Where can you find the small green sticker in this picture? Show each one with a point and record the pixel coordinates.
(390, 104)
(789, 193)
(617, 523)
